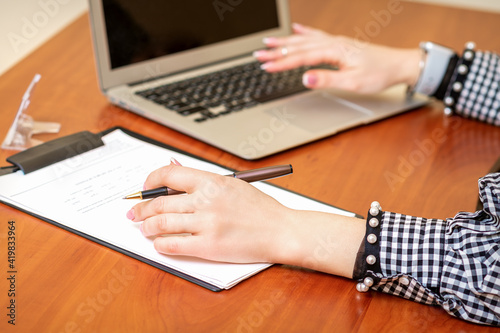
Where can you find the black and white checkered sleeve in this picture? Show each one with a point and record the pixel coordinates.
(473, 90)
(453, 263)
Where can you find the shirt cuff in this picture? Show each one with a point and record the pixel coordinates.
(368, 257)
(397, 245)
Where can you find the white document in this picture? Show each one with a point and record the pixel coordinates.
(84, 193)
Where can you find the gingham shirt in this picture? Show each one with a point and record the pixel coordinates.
(480, 97)
(453, 263)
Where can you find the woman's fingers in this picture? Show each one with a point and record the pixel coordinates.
(181, 245)
(181, 204)
(173, 176)
(169, 224)
(179, 178)
(299, 46)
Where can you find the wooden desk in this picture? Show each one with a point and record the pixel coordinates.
(68, 284)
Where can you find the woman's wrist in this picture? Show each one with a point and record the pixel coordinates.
(409, 63)
(320, 241)
(285, 241)
(434, 68)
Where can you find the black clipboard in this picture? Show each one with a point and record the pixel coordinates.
(72, 145)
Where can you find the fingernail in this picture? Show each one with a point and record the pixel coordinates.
(297, 26)
(266, 65)
(269, 40)
(258, 54)
(309, 80)
(140, 228)
(174, 161)
(130, 214)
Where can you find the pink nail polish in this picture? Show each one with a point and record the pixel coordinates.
(258, 54)
(266, 65)
(174, 161)
(130, 214)
(297, 26)
(269, 41)
(309, 80)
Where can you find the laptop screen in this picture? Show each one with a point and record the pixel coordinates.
(143, 30)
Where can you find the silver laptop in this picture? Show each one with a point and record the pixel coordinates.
(189, 65)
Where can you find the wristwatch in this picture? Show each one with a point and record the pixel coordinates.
(433, 67)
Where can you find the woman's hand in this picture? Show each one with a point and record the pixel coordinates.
(362, 67)
(226, 219)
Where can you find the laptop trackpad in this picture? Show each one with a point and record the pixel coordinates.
(319, 111)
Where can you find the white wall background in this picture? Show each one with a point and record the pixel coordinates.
(26, 24)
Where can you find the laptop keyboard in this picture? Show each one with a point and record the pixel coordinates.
(224, 92)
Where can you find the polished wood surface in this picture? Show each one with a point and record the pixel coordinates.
(419, 163)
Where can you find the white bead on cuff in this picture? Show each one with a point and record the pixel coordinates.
(456, 86)
(373, 226)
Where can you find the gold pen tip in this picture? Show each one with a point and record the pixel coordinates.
(137, 195)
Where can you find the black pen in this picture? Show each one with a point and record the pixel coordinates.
(248, 176)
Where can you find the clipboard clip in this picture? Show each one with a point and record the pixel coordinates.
(19, 136)
(52, 152)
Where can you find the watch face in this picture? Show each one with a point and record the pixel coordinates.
(433, 67)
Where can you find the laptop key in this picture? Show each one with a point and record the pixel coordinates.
(208, 114)
(178, 106)
(262, 98)
(191, 110)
